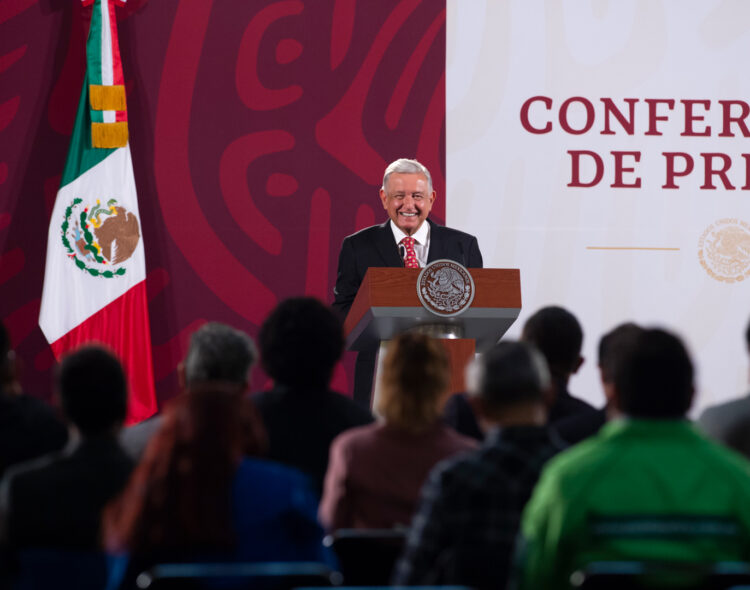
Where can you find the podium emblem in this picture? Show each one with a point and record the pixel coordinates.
(445, 288)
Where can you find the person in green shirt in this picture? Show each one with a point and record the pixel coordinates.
(648, 487)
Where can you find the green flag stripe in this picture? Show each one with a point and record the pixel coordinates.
(96, 116)
(94, 45)
(81, 155)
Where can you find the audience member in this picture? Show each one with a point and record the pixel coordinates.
(466, 526)
(300, 343)
(729, 423)
(556, 333)
(375, 471)
(649, 486)
(459, 415)
(199, 494)
(56, 500)
(29, 428)
(612, 346)
(217, 353)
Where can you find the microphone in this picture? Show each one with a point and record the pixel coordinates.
(463, 254)
(402, 253)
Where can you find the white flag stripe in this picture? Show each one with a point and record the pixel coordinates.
(107, 59)
(70, 294)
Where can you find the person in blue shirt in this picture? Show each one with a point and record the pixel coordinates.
(201, 493)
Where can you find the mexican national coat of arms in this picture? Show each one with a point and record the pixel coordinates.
(100, 237)
(724, 250)
(445, 288)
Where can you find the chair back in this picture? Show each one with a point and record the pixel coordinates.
(367, 556)
(237, 575)
(644, 575)
(62, 569)
(425, 587)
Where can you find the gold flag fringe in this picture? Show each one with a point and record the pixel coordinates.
(107, 98)
(109, 135)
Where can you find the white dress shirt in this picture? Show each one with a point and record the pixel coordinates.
(421, 241)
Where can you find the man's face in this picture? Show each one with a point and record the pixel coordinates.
(408, 201)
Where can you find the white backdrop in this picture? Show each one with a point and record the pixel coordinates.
(677, 257)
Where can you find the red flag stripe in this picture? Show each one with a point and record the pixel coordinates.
(132, 345)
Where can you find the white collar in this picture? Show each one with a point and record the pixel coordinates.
(421, 236)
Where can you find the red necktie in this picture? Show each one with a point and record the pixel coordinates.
(410, 260)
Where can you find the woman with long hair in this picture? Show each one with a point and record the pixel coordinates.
(201, 492)
(375, 472)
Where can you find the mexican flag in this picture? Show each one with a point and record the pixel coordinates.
(94, 279)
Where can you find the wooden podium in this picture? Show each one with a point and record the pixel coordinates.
(387, 304)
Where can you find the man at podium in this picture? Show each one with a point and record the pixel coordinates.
(408, 238)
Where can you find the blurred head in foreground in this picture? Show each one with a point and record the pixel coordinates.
(93, 391)
(654, 379)
(509, 384)
(557, 334)
(218, 353)
(612, 348)
(415, 381)
(300, 342)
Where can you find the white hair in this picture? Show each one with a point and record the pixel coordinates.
(510, 372)
(218, 352)
(407, 166)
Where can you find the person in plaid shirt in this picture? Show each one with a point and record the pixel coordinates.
(470, 509)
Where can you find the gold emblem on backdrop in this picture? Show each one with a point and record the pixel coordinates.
(724, 250)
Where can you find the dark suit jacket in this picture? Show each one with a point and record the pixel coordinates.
(577, 427)
(57, 500)
(29, 429)
(729, 423)
(566, 406)
(302, 424)
(375, 246)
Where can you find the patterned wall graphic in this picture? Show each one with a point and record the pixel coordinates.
(259, 132)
